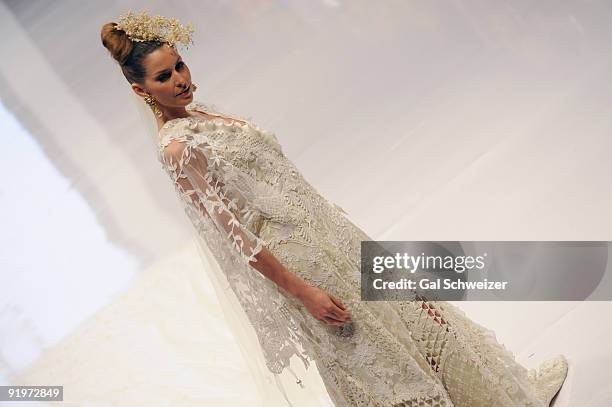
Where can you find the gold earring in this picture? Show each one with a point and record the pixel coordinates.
(194, 87)
(150, 100)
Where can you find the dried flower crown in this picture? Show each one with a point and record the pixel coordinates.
(142, 27)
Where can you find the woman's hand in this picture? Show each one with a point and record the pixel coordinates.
(324, 307)
(321, 305)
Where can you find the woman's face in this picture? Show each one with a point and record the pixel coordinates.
(166, 76)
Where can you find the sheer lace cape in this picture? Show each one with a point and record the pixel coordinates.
(225, 204)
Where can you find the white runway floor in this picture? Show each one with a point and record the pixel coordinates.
(456, 120)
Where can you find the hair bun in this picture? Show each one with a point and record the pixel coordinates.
(116, 41)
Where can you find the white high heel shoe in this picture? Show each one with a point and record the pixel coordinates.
(548, 378)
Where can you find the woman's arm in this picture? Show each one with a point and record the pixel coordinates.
(323, 306)
(188, 166)
(268, 265)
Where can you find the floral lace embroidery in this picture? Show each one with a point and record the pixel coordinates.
(403, 353)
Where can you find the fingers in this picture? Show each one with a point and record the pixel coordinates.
(332, 313)
(333, 317)
(332, 321)
(343, 311)
(339, 314)
(337, 302)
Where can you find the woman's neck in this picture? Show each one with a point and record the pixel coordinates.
(170, 113)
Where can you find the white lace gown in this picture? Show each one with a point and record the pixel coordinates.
(242, 193)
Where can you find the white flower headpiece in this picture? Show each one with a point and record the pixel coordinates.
(142, 27)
